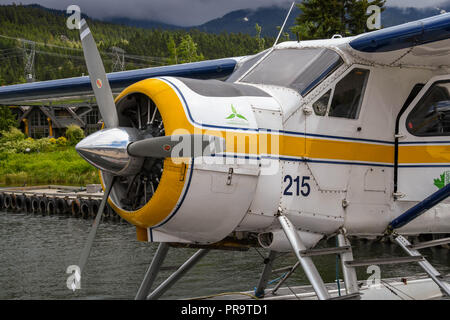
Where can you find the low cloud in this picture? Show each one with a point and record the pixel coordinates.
(181, 12)
(178, 12)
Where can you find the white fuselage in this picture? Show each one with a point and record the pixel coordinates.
(323, 171)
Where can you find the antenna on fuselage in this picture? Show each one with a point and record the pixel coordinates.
(284, 23)
(268, 50)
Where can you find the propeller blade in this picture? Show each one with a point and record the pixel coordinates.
(99, 81)
(88, 246)
(177, 146)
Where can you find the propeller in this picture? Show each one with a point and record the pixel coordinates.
(97, 74)
(87, 248)
(123, 151)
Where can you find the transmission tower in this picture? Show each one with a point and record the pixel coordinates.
(118, 59)
(29, 52)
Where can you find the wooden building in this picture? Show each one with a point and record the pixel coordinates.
(52, 121)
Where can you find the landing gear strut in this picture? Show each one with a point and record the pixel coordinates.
(152, 272)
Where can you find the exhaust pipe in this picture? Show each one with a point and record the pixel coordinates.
(277, 241)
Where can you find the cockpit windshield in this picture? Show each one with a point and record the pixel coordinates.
(299, 69)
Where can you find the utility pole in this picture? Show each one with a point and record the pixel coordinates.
(29, 52)
(118, 59)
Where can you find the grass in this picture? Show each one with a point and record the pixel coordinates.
(63, 167)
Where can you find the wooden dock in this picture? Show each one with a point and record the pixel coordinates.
(78, 202)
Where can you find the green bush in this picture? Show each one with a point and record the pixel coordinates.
(64, 167)
(42, 161)
(14, 141)
(62, 141)
(28, 146)
(74, 134)
(13, 134)
(7, 119)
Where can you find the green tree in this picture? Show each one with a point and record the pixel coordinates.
(187, 50)
(74, 134)
(284, 36)
(261, 41)
(357, 9)
(172, 50)
(59, 54)
(7, 119)
(323, 19)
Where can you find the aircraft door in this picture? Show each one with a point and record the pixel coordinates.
(333, 129)
(423, 164)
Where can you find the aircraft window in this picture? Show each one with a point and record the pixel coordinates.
(348, 95)
(246, 65)
(299, 69)
(320, 106)
(431, 115)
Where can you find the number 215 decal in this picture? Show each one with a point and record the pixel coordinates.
(302, 188)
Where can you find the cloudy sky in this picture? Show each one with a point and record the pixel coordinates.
(180, 12)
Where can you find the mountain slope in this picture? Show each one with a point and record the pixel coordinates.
(58, 52)
(243, 21)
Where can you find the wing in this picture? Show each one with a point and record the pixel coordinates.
(422, 43)
(81, 86)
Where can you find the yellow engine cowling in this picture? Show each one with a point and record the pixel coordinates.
(196, 200)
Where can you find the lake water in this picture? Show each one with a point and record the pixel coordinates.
(35, 252)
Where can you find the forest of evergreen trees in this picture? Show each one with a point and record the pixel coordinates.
(59, 53)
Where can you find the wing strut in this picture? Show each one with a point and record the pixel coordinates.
(419, 209)
(412, 250)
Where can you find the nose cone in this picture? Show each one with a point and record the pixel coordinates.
(107, 150)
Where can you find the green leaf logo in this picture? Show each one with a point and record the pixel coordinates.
(443, 181)
(235, 114)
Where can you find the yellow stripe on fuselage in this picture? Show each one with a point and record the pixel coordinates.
(349, 151)
(424, 154)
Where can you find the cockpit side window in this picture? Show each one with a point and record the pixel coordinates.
(345, 98)
(431, 115)
(320, 107)
(348, 94)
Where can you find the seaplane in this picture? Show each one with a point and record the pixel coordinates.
(343, 137)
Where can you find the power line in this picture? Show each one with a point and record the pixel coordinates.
(29, 49)
(80, 58)
(8, 50)
(112, 54)
(11, 56)
(119, 59)
(29, 52)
